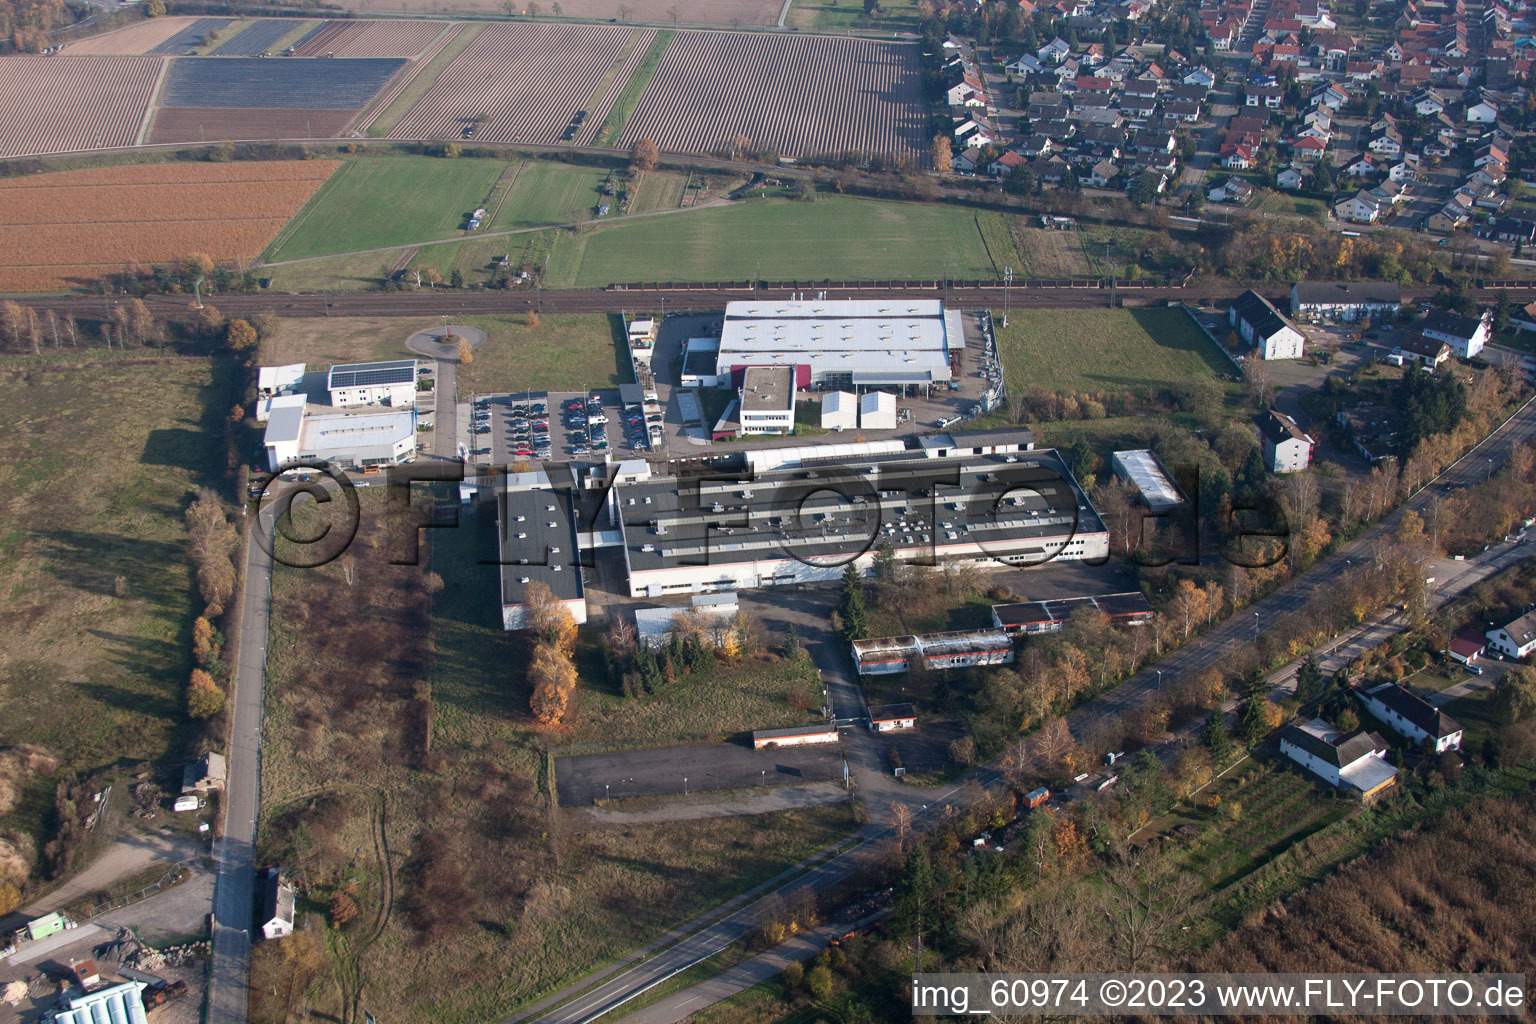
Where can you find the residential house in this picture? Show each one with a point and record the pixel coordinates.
(276, 905)
(1467, 646)
(1360, 167)
(1427, 352)
(1484, 111)
(1025, 65)
(1233, 190)
(1093, 84)
(1491, 175)
(1154, 142)
(1139, 107)
(1491, 152)
(1388, 143)
(1345, 300)
(206, 773)
(1330, 95)
(1054, 52)
(968, 91)
(1006, 164)
(1353, 762)
(1102, 173)
(1466, 335)
(1287, 448)
(1412, 717)
(1267, 96)
(1399, 172)
(1428, 102)
(1514, 230)
(1260, 324)
(1451, 216)
(1360, 208)
(1035, 146)
(1516, 638)
(1309, 147)
(1290, 178)
(1187, 111)
(1240, 159)
(1202, 76)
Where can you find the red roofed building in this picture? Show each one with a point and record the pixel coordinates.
(1467, 645)
(1090, 83)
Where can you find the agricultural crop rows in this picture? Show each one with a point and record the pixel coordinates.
(523, 82)
(242, 124)
(258, 37)
(189, 36)
(372, 38)
(799, 95)
(58, 104)
(133, 41)
(191, 208)
(253, 82)
(599, 113)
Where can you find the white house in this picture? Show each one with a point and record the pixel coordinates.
(889, 717)
(1466, 335)
(276, 905)
(1200, 76)
(387, 383)
(1287, 448)
(1355, 762)
(1290, 178)
(1361, 208)
(1483, 112)
(1260, 324)
(1345, 300)
(1412, 717)
(1515, 638)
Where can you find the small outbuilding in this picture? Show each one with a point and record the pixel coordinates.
(839, 411)
(277, 903)
(889, 717)
(877, 411)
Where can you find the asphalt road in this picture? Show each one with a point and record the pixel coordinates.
(235, 851)
(697, 768)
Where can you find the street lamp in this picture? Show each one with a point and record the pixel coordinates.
(685, 785)
(1007, 281)
(1255, 625)
(1159, 680)
(605, 790)
(1490, 468)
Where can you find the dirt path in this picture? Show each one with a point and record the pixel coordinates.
(778, 798)
(124, 858)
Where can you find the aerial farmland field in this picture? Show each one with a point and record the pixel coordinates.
(522, 82)
(58, 104)
(189, 36)
(67, 229)
(798, 95)
(373, 38)
(733, 13)
(133, 41)
(258, 37)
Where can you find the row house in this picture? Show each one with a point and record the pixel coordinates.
(1269, 97)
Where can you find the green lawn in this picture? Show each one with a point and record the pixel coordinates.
(846, 15)
(549, 192)
(387, 200)
(1104, 349)
(566, 351)
(834, 238)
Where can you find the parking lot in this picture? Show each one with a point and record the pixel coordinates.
(697, 768)
(503, 429)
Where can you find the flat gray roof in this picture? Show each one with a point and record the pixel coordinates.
(768, 389)
(876, 340)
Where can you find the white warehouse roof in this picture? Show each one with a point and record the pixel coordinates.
(276, 378)
(343, 433)
(1142, 468)
(874, 341)
(118, 1004)
(877, 410)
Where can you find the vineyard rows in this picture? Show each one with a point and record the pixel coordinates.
(799, 95)
(58, 104)
(522, 82)
(106, 218)
(373, 38)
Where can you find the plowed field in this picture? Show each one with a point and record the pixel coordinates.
(62, 103)
(133, 41)
(211, 124)
(63, 230)
(373, 38)
(521, 82)
(799, 95)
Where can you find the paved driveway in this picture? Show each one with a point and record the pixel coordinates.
(663, 771)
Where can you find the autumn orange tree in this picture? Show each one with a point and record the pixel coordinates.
(550, 670)
(204, 698)
(644, 155)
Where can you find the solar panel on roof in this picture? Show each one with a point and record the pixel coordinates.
(372, 376)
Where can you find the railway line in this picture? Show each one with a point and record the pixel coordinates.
(686, 297)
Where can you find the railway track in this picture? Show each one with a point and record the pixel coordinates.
(438, 302)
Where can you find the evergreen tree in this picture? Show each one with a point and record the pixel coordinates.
(1251, 726)
(1214, 735)
(1309, 678)
(791, 648)
(855, 621)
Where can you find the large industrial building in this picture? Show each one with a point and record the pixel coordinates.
(842, 344)
(349, 440)
(794, 515)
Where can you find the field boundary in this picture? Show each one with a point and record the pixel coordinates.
(605, 97)
(375, 107)
(458, 42)
(154, 102)
(294, 222)
(628, 99)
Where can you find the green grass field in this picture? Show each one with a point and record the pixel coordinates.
(833, 238)
(549, 192)
(1104, 349)
(373, 202)
(98, 462)
(566, 351)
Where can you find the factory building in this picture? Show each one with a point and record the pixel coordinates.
(348, 440)
(955, 649)
(767, 400)
(842, 345)
(537, 523)
(1032, 617)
